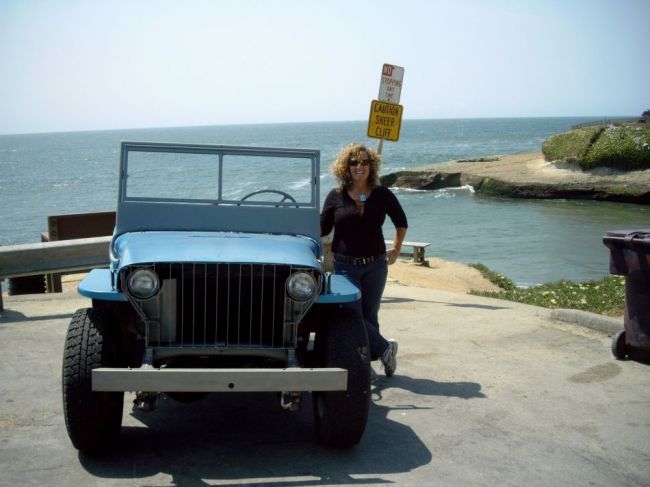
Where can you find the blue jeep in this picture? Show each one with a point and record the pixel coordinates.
(216, 284)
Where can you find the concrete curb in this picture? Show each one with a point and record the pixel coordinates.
(588, 320)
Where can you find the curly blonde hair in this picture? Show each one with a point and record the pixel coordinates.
(341, 168)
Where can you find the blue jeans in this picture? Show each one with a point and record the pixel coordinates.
(371, 281)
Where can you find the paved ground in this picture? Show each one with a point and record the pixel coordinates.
(487, 393)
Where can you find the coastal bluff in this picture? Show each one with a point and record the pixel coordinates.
(527, 175)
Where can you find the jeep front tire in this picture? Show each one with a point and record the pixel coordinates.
(342, 341)
(93, 419)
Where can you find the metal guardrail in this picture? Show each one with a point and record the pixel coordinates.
(605, 121)
(59, 256)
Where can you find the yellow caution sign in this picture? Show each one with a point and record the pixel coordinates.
(385, 120)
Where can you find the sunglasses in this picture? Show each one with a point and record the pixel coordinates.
(354, 162)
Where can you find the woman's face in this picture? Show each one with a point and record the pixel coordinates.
(359, 167)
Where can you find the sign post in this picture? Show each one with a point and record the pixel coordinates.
(385, 112)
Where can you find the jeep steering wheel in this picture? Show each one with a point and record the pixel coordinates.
(285, 196)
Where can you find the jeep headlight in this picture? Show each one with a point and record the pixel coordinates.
(301, 286)
(143, 283)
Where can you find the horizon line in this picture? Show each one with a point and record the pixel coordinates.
(165, 127)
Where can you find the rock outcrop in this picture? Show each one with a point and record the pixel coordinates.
(527, 176)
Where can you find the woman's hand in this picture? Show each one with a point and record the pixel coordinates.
(392, 255)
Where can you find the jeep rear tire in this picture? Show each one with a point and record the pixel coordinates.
(340, 417)
(93, 419)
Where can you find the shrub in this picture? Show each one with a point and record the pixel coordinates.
(494, 277)
(605, 296)
(625, 147)
(571, 146)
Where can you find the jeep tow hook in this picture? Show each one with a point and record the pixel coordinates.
(290, 401)
(146, 401)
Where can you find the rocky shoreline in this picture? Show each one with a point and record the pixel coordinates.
(527, 175)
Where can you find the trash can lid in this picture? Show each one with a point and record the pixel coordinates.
(628, 237)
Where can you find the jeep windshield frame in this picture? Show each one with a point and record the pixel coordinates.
(160, 189)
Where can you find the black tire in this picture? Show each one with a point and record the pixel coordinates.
(340, 417)
(93, 419)
(620, 350)
(26, 285)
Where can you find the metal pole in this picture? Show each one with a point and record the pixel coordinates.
(380, 145)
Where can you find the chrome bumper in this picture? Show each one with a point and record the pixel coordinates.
(150, 379)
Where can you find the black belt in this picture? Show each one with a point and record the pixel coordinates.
(346, 259)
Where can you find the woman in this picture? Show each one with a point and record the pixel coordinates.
(356, 209)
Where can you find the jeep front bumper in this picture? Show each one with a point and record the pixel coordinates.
(219, 380)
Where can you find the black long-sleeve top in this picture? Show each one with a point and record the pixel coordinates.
(360, 235)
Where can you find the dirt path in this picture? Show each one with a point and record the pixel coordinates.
(442, 275)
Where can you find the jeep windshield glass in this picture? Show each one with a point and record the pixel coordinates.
(224, 178)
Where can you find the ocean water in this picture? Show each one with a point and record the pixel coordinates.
(530, 241)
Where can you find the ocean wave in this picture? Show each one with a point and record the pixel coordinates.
(438, 193)
(451, 192)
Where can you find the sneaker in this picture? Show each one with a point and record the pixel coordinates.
(388, 359)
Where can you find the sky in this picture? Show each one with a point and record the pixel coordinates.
(100, 64)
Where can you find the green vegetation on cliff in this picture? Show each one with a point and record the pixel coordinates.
(571, 146)
(605, 296)
(622, 146)
(625, 147)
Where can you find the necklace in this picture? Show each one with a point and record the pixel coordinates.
(360, 203)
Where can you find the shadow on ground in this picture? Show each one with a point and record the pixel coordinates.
(246, 437)
(392, 300)
(10, 316)
(428, 387)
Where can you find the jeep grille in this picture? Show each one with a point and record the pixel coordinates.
(220, 305)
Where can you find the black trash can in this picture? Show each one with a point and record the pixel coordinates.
(630, 257)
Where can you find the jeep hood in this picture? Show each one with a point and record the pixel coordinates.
(213, 247)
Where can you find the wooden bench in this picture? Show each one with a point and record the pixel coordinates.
(74, 226)
(418, 250)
